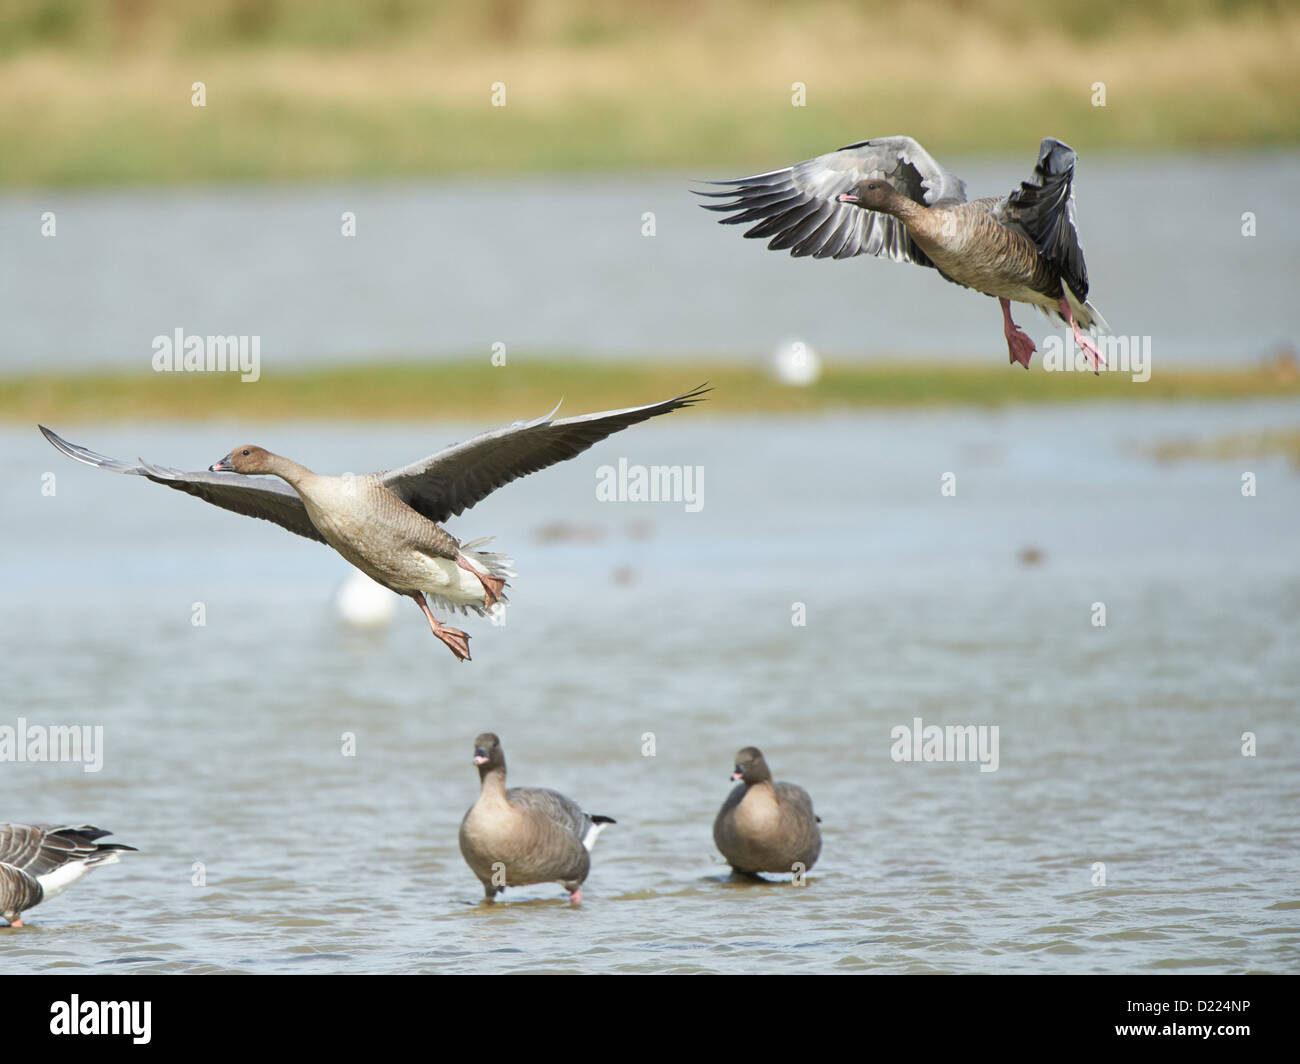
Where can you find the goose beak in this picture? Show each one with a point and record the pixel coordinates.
(847, 197)
(480, 759)
(222, 466)
(737, 775)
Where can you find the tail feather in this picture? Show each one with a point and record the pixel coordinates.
(1085, 314)
(1097, 320)
(598, 824)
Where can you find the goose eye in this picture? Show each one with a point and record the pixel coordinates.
(245, 454)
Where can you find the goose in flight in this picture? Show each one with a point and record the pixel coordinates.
(888, 197)
(388, 524)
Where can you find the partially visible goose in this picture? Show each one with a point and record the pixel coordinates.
(388, 524)
(765, 826)
(888, 197)
(526, 834)
(36, 863)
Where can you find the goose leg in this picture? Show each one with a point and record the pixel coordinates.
(1018, 341)
(456, 640)
(575, 896)
(492, 585)
(17, 921)
(1090, 352)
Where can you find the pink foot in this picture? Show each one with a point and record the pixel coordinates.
(1019, 344)
(576, 897)
(1090, 352)
(492, 585)
(456, 640)
(17, 921)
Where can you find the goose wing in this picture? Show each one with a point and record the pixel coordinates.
(38, 850)
(798, 207)
(454, 479)
(1043, 209)
(265, 498)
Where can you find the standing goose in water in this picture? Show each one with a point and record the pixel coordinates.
(510, 838)
(389, 524)
(36, 863)
(888, 197)
(766, 826)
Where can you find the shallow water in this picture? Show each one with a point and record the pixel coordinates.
(1119, 744)
(560, 265)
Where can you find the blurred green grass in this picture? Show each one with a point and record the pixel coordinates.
(99, 93)
(477, 391)
(197, 25)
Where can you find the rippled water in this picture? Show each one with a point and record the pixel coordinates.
(1119, 745)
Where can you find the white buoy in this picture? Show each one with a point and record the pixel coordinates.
(361, 603)
(794, 362)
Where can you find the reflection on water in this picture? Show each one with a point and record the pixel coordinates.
(1119, 745)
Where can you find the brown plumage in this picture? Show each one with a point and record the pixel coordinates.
(526, 834)
(888, 197)
(766, 826)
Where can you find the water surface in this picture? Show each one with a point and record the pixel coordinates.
(1118, 744)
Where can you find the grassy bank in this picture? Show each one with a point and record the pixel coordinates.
(100, 93)
(475, 391)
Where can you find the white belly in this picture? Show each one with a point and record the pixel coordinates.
(442, 579)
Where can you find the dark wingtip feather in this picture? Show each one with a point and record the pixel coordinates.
(695, 395)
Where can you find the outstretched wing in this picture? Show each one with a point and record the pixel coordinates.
(798, 207)
(262, 497)
(454, 479)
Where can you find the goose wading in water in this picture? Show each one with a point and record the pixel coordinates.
(524, 835)
(389, 524)
(39, 862)
(889, 198)
(766, 825)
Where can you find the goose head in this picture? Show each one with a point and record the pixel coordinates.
(750, 766)
(488, 753)
(248, 459)
(873, 194)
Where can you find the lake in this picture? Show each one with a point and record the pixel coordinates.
(263, 848)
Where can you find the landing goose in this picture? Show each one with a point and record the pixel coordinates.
(766, 826)
(389, 524)
(888, 197)
(36, 863)
(526, 834)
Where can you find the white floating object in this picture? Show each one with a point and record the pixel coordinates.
(795, 362)
(361, 603)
